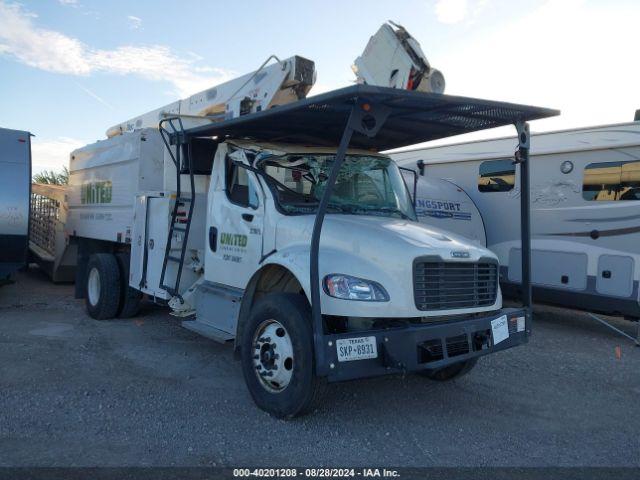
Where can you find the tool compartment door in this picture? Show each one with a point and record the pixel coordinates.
(151, 228)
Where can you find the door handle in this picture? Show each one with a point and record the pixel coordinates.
(247, 217)
(213, 238)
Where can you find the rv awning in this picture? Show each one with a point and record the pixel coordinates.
(414, 117)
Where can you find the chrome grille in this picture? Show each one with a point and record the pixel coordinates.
(441, 285)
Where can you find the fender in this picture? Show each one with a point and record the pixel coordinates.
(295, 262)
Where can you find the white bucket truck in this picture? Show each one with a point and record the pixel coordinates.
(285, 231)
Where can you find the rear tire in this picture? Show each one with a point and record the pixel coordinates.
(102, 286)
(292, 388)
(129, 304)
(450, 372)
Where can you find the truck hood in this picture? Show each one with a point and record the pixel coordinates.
(378, 238)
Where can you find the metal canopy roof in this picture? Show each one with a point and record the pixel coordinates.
(414, 117)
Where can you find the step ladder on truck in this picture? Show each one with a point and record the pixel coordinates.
(180, 219)
(301, 243)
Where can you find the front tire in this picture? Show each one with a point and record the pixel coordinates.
(102, 286)
(450, 372)
(277, 356)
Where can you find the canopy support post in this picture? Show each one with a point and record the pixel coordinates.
(316, 313)
(522, 158)
(367, 119)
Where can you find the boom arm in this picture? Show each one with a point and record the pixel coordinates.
(282, 82)
(393, 58)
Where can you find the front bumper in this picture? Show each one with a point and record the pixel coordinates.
(424, 346)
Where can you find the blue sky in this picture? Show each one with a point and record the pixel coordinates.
(69, 69)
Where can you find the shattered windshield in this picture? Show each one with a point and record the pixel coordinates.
(366, 184)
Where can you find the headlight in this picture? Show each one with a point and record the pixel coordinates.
(352, 288)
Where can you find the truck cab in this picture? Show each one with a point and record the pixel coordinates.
(263, 199)
(381, 271)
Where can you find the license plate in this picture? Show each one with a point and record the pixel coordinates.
(499, 329)
(359, 348)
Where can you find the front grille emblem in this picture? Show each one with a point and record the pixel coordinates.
(459, 254)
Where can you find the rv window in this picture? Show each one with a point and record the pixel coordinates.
(497, 176)
(239, 189)
(612, 181)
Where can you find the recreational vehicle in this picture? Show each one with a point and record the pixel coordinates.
(585, 199)
(15, 185)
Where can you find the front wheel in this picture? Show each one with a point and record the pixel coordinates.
(277, 355)
(450, 372)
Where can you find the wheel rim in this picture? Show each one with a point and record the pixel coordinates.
(93, 286)
(273, 356)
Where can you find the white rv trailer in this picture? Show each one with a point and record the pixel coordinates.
(15, 184)
(585, 206)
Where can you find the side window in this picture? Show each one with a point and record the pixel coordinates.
(611, 181)
(497, 176)
(239, 189)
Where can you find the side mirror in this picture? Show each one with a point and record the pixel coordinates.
(415, 183)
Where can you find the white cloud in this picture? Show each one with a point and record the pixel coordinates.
(52, 154)
(69, 3)
(458, 11)
(451, 11)
(56, 52)
(134, 22)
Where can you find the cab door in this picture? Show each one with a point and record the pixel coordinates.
(234, 224)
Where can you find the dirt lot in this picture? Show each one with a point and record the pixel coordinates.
(79, 392)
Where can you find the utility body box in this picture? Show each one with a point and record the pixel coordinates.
(150, 233)
(104, 179)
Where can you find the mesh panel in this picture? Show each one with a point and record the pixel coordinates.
(42, 222)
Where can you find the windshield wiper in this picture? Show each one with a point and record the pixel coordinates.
(373, 210)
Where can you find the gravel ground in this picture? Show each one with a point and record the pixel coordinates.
(79, 392)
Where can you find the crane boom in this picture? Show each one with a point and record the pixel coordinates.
(278, 83)
(393, 58)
